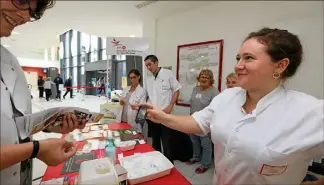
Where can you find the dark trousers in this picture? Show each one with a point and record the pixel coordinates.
(100, 90)
(67, 91)
(160, 133)
(48, 93)
(58, 92)
(41, 92)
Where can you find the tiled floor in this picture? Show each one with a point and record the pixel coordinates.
(93, 104)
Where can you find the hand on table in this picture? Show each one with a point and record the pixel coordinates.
(55, 151)
(154, 114)
(70, 123)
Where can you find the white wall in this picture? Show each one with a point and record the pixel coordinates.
(232, 21)
(38, 63)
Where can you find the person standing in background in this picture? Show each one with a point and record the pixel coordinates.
(48, 88)
(102, 85)
(58, 80)
(131, 96)
(68, 86)
(201, 97)
(163, 90)
(40, 84)
(231, 80)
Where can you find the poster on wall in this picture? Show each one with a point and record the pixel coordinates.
(127, 46)
(191, 59)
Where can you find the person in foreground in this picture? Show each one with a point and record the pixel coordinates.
(17, 150)
(262, 132)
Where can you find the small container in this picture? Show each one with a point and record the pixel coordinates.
(111, 150)
(127, 145)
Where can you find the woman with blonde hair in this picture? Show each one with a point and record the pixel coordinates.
(231, 80)
(201, 97)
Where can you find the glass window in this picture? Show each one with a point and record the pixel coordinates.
(67, 72)
(67, 62)
(82, 70)
(94, 56)
(67, 45)
(75, 76)
(120, 57)
(94, 43)
(104, 43)
(74, 43)
(85, 42)
(104, 55)
(75, 61)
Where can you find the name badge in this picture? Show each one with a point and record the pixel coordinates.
(198, 96)
(269, 170)
(165, 88)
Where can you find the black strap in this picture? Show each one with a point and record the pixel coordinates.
(35, 149)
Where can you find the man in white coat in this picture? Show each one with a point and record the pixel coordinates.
(163, 90)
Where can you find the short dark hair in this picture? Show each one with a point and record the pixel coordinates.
(136, 72)
(281, 44)
(153, 58)
(42, 5)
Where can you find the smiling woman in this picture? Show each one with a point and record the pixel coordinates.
(17, 149)
(262, 132)
(18, 12)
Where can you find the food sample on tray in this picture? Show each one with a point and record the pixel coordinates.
(146, 166)
(99, 171)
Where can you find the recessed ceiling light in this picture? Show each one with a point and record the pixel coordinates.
(15, 33)
(132, 36)
(5, 45)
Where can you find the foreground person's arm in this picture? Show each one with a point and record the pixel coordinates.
(186, 124)
(51, 151)
(197, 123)
(13, 154)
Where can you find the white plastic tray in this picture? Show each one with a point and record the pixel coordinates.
(146, 166)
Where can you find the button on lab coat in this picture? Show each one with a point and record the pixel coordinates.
(271, 145)
(15, 84)
(161, 89)
(136, 97)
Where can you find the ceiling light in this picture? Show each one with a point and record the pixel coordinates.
(15, 33)
(132, 36)
(5, 45)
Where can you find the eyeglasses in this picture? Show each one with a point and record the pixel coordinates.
(25, 5)
(132, 77)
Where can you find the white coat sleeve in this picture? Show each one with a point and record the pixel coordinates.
(175, 85)
(143, 97)
(315, 123)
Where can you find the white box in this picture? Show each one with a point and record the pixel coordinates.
(146, 166)
(99, 172)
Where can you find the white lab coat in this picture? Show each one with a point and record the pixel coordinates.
(271, 145)
(138, 96)
(161, 88)
(15, 85)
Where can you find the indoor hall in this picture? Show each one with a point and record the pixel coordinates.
(96, 44)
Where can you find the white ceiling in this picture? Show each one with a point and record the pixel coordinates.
(101, 18)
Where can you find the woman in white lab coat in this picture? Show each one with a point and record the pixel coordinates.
(133, 95)
(262, 132)
(17, 149)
